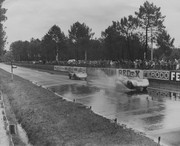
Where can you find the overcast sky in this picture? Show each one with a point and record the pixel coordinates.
(33, 18)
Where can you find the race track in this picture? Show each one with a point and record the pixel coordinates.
(154, 113)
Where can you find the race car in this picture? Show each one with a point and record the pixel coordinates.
(133, 83)
(77, 75)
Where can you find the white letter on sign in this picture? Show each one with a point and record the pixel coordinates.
(177, 76)
(172, 75)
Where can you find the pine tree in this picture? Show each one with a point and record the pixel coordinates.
(2, 32)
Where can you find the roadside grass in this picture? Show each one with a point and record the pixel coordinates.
(50, 120)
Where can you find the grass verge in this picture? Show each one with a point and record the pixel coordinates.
(52, 121)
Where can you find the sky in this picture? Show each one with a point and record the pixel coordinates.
(28, 19)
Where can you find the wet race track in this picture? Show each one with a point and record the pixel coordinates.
(155, 112)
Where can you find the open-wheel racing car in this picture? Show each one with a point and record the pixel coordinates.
(77, 75)
(133, 83)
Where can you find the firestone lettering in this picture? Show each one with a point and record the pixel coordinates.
(175, 76)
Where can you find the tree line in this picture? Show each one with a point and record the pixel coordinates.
(2, 32)
(128, 39)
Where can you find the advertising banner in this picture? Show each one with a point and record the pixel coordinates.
(130, 73)
(70, 68)
(79, 69)
(60, 68)
(175, 76)
(109, 71)
(91, 71)
(101, 71)
(157, 74)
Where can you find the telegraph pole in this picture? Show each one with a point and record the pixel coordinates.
(12, 67)
(11, 71)
(151, 45)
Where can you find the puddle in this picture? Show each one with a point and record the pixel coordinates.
(76, 90)
(151, 112)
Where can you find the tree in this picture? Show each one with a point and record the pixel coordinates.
(127, 26)
(80, 35)
(47, 49)
(53, 42)
(121, 40)
(16, 49)
(33, 50)
(2, 32)
(175, 54)
(149, 16)
(58, 38)
(114, 43)
(96, 51)
(164, 44)
(8, 56)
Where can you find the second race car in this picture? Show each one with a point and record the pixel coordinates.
(77, 75)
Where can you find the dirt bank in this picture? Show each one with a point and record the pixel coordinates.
(51, 121)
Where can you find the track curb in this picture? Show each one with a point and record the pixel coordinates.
(5, 119)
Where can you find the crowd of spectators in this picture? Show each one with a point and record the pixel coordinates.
(136, 64)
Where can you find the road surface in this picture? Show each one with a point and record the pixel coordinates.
(155, 113)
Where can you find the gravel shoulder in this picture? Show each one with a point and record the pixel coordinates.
(52, 121)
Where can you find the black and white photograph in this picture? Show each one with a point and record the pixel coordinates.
(89, 73)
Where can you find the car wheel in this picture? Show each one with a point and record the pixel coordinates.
(69, 76)
(129, 84)
(144, 88)
(139, 89)
(74, 76)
